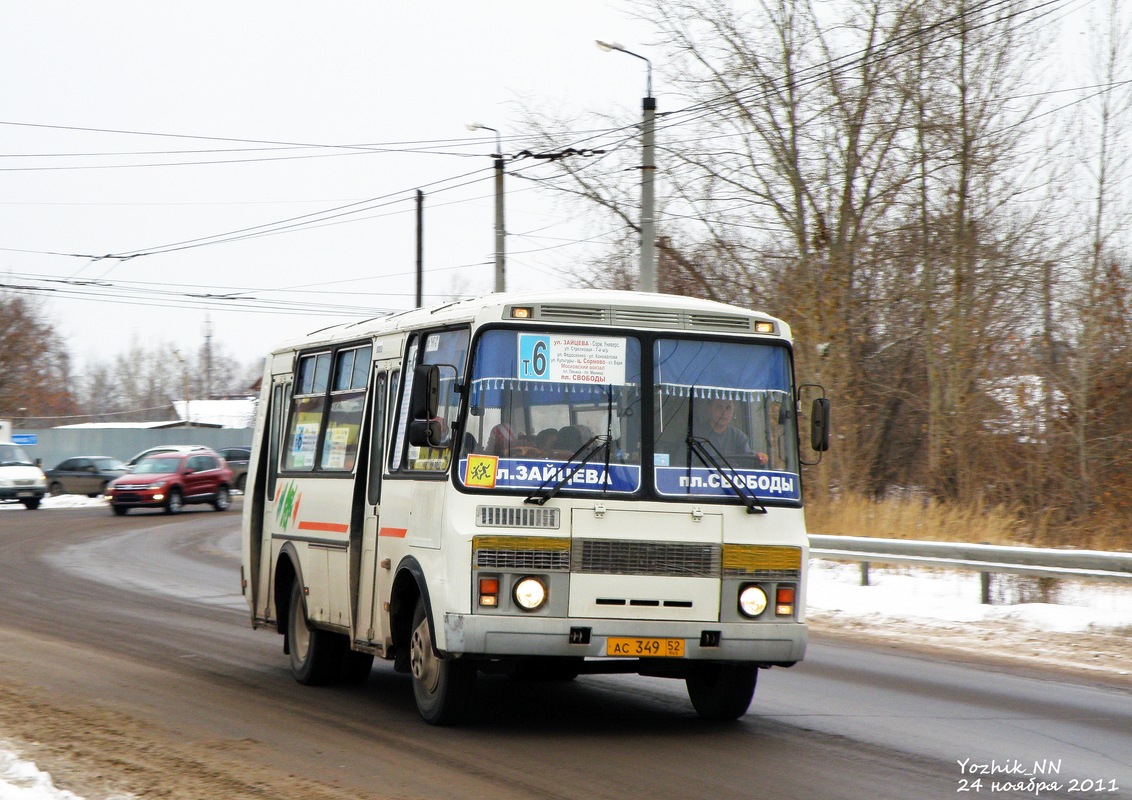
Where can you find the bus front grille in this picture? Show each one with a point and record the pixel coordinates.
(517, 517)
(610, 557)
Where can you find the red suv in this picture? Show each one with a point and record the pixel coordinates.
(170, 480)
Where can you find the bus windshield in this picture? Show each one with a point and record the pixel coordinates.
(724, 406)
(542, 403)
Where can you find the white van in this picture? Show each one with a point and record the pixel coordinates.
(20, 478)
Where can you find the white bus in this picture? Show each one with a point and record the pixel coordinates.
(537, 484)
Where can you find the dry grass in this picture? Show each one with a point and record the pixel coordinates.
(920, 517)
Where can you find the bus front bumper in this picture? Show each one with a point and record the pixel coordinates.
(769, 643)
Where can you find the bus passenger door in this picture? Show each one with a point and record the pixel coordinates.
(260, 495)
(368, 628)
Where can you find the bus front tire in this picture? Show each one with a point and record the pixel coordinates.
(442, 687)
(316, 655)
(722, 691)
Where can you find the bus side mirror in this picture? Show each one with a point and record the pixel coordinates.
(425, 430)
(819, 424)
(425, 398)
(426, 433)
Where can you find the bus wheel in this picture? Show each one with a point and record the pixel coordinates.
(442, 687)
(722, 691)
(316, 655)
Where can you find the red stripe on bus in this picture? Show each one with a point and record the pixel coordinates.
(326, 527)
(396, 533)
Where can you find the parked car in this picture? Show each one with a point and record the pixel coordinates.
(172, 480)
(20, 477)
(87, 475)
(165, 448)
(238, 458)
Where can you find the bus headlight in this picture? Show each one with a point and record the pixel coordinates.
(529, 593)
(752, 601)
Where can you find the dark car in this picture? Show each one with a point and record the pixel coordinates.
(238, 458)
(172, 480)
(87, 475)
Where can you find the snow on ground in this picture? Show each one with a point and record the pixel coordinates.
(62, 501)
(921, 594)
(23, 780)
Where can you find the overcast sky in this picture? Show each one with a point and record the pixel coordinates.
(133, 126)
(146, 129)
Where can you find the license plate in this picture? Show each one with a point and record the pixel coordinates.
(638, 647)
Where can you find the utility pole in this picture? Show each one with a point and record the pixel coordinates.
(207, 356)
(500, 231)
(420, 248)
(649, 282)
(648, 278)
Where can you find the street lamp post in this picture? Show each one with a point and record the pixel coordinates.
(648, 278)
(500, 233)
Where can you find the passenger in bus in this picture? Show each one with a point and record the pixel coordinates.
(501, 440)
(546, 439)
(571, 438)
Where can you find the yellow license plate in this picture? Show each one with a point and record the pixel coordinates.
(636, 647)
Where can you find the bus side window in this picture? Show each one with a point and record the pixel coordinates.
(449, 351)
(377, 443)
(401, 419)
(279, 394)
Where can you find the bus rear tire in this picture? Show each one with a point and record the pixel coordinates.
(442, 687)
(316, 655)
(722, 691)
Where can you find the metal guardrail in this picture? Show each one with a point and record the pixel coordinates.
(987, 559)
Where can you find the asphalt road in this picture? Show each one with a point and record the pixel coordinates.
(131, 632)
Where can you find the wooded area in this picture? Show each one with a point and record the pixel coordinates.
(40, 388)
(940, 220)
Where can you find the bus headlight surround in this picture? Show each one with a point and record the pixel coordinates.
(752, 600)
(529, 593)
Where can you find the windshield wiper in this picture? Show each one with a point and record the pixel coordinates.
(596, 443)
(602, 442)
(700, 448)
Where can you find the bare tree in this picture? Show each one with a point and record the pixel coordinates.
(1101, 348)
(34, 364)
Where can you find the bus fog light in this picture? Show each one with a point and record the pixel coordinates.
(752, 601)
(530, 594)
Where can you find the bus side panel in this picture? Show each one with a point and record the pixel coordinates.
(314, 514)
(412, 522)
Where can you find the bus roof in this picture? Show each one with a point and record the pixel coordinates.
(615, 308)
